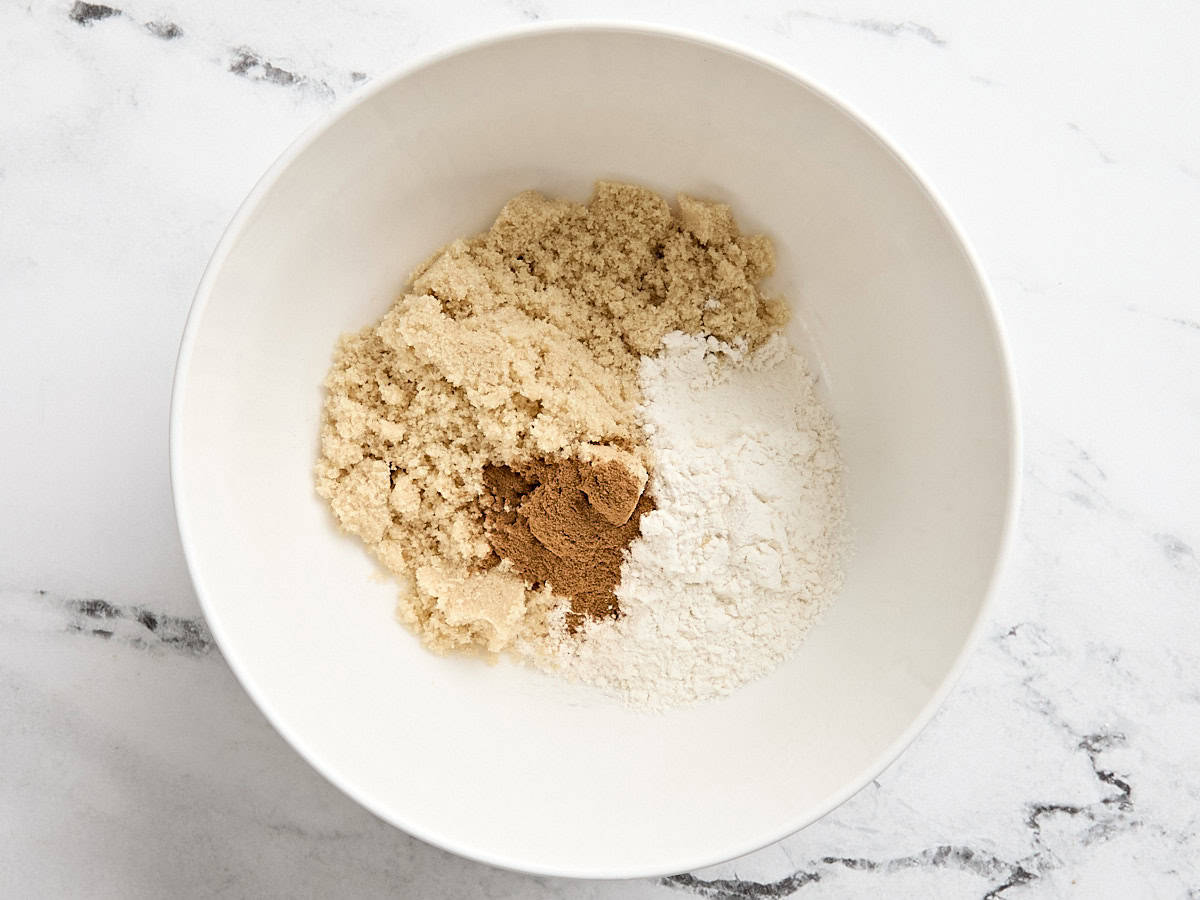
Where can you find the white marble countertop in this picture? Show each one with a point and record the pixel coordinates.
(1065, 136)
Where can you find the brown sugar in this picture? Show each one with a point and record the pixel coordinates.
(542, 520)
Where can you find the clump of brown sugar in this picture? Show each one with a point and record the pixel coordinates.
(519, 349)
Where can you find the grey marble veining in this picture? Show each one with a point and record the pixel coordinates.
(1064, 137)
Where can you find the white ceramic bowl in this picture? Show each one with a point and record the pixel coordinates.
(502, 763)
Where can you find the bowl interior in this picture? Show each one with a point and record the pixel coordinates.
(499, 762)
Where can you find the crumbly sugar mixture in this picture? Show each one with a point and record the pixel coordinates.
(485, 439)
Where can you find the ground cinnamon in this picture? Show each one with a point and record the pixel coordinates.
(567, 524)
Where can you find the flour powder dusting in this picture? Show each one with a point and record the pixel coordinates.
(745, 547)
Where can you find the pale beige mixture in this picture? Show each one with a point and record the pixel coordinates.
(517, 348)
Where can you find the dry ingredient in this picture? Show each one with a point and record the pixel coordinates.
(580, 438)
(567, 524)
(744, 549)
(519, 349)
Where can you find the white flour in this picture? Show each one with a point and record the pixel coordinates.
(744, 549)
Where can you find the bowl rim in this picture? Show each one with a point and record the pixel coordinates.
(233, 233)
